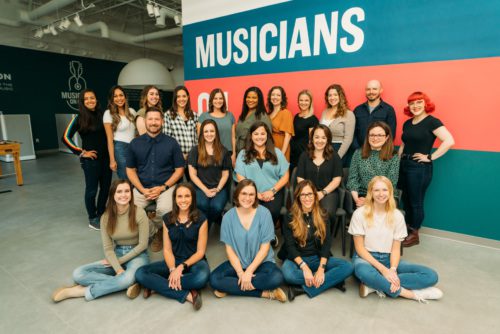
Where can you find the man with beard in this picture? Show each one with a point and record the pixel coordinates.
(154, 165)
(374, 109)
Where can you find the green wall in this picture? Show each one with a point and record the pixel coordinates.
(463, 195)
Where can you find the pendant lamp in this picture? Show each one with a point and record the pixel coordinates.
(141, 72)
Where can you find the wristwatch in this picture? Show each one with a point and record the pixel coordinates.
(185, 265)
(429, 156)
(323, 266)
(274, 190)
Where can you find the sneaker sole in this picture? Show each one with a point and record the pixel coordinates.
(92, 227)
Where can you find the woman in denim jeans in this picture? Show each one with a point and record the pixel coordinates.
(119, 123)
(184, 270)
(419, 134)
(126, 226)
(378, 229)
(209, 164)
(307, 247)
(247, 230)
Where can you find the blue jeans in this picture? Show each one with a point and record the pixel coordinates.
(267, 277)
(102, 280)
(155, 277)
(121, 149)
(97, 176)
(414, 179)
(211, 207)
(412, 276)
(337, 270)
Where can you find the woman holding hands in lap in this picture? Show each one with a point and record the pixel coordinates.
(209, 165)
(184, 270)
(124, 233)
(247, 231)
(307, 247)
(378, 229)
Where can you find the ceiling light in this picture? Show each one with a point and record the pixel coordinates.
(77, 20)
(64, 24)
(157, 11)
(178, 20)
(150, 9)
(141, 72)
(39, 33)
(53, 30)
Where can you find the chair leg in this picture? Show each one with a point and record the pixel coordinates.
(343, 235)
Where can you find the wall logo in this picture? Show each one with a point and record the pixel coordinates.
(6, 82)
(76, 83)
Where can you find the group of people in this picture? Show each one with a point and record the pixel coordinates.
(259, 152)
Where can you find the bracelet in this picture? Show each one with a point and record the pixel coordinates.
(185, 265)
(171, 269)
(301, 264)
(429, 156)
(274, 191)
(324, 192)
(393, 268)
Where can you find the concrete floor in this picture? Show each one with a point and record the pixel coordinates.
(44, 236)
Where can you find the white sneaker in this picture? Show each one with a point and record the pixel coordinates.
(423, 295)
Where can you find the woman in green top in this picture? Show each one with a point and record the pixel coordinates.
(253, 110)
(126, 226)
(375, 158)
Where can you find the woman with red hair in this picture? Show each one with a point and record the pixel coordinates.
(419, 134)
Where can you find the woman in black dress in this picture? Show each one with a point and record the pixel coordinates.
(303, 123)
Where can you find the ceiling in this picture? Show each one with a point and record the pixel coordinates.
(112, 29)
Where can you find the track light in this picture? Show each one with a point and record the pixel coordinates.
(53, 30)
(157, 11)
(150, 9)
(64, 24)
(39, 33)
(77, 20)
(178, 20)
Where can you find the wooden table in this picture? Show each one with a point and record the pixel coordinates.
(14, 149)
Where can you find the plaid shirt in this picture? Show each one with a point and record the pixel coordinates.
(182, 131)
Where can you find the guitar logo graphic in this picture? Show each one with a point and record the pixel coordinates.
(76, 83)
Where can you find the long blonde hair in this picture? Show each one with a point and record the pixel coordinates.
(298, 225)
(390, 205)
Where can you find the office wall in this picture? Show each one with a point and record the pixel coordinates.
(449, 49)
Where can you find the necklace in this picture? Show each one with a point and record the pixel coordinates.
(307, 220)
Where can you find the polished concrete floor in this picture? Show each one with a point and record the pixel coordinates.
(44, 236)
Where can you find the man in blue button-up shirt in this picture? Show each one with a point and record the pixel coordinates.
(154, 165)
(374, 109)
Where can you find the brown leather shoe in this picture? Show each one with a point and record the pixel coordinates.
(412, 239)
(146, 293)
(157, 242)
(197, 302)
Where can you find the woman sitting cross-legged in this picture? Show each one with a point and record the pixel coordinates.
(247, 230)
(307, 247)
(378, 229)
(185, 269)
(126, 226)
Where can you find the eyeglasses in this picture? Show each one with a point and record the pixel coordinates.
(307, 195)
(377, 136)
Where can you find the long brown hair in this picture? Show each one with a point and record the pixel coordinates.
(187, 110)
(113, 108)
(343, 105)
(193, 211)
(143, 102)
(251, 153)
(211, 101)
(203, 157)
(390, 205)
(297, 223)
(88, 120)
(112, 209)
(387, 150)
(328, 151)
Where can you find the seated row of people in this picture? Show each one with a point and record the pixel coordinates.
(247, 230)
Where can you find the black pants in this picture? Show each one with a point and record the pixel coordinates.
(97, 178)
(275, 205)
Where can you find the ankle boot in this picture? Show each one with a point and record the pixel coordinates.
(412, 239)
(294, 291)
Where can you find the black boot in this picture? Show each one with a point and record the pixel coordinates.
(293, 291)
